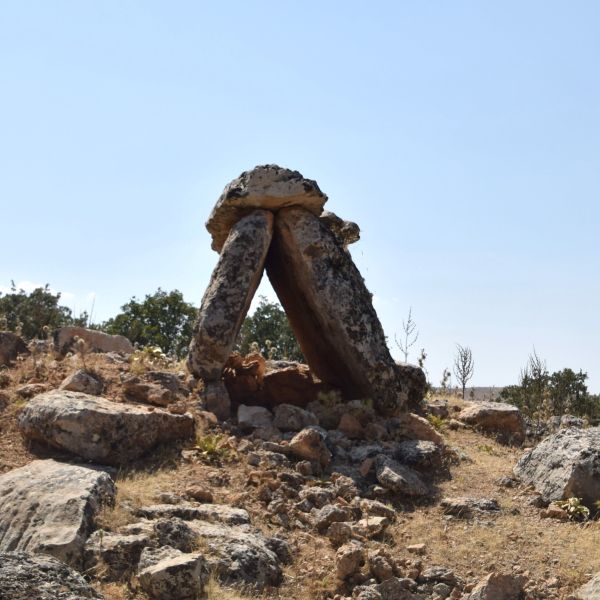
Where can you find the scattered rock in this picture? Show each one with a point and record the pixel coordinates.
(349, 558)
(564, 465)
(253, 417)
(229, 293)
(377, 509)
(370, 527)
(96, 341)
(29, 390)
(438, 409)
(398, 478)
(82, 381)
(98, 429)
(381, 565)
(420, 454)
(214, 513)
(27, 577)
(168, 574)
(501, 419)
(135, 388)
(413, 427)
(553, 511)
(465, 507)
(497, 586)
(310, 444)
(49, 507)
(293, 418)
(198, 493)
(333, 513)
(417, 549)
(11, 345)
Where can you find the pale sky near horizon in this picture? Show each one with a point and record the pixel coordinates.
(463, 137)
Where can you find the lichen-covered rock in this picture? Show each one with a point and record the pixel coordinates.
(398, 478)
(96, 341)
(168, 574)
(416, 383)
(330, 310)
(216, 399)
(293, 418)
(591, 590)
(268, 187)
(11, 345)
(413, 427)
(82, 381)
(98, 429)
(566, 464)
(216, 513)
(49, 507)
(346, 232)
(503, 420)
(25, 576)
(229, 293)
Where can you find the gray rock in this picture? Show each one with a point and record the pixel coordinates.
(82, 381)
(498, 418)
(398, 478)
(419, 453)
(176, 533)
(49, 507)
(566, 464)
(268, 187)
(323, 292)
(40, 577)
(111, 556)
(398, 588)
(465, 507)
(253, 417)
(591, 590)
(214, 513)
(346, 232)
(229, 293)
(98, 429)
(333, 513)
(11, 345)
(497, 586)
(168, 574)
(216, 399)
(96, 341)
(293, 418)
(238, 556)
(135, 388)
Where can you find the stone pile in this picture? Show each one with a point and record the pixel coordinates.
(272, 218)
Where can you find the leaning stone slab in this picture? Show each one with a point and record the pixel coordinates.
(564, 465)
(28, 577)
(266, 187)
(331, 311)
(49, 507)
(97, 429)
(97, 341)
(229, 293)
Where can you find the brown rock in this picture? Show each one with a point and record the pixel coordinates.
(414, 427)
(229, 293)
(198, 493)
(499, 418)
(96, 341)
(268, 187)
(309, 444)
(351, 427)
(554, 512)
(331, 312)
(290, 383)
(82, 381)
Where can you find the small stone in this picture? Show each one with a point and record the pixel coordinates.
(253, 417)
(82, 381)
(419, 549)
(349, 558)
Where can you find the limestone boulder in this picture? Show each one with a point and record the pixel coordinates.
(290, 383)
(498, 418)
(49, 507)
(293, 418)
(346, 232)
(309, 444)
(11, 345)
(416, 383)
(24, 576)
(96, 341)
(97, 429)
(267, 187)
(591, 590)
(331, 311)
(229, 293)
(566, 464)
(398, 478)
(498, 586)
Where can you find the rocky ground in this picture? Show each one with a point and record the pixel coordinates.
(329, 502)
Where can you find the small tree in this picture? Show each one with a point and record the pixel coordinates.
(464, 366)
(410, 335)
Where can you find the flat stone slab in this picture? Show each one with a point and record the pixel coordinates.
(49, 507)
(268, 187)
(97, 429)
(215, 513)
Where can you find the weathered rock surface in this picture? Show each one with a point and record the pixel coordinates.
(398, 478)
(11, 345)
(349, 558)
(216, 513)
(49, 507)
(497, 586)
(229, 293)
(310, 445)
(98, 429)
(290, 383)
(253, 417)
(293, 418)
(82, 381)
(97, 341)
(416, 383)
(330, 310)
(346, 232)
(591, 590)
(421, 454)
(140, 390)
(168, 574)
(499, 418)
(414, 427)
(565, 464)
(268, 187)
(465, 507)
(40, 577)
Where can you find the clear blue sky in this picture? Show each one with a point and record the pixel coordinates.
(463, 137)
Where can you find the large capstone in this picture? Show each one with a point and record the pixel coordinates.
(97, 429)
(268, 187)
(229, 293)
(331, 311)
(49, 507)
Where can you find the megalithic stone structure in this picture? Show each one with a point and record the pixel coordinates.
(274, 216)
